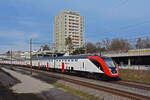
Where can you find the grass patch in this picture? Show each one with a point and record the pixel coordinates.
(135, 75)
(76, 92)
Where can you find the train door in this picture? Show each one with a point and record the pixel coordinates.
(52, 64)
(82, 65)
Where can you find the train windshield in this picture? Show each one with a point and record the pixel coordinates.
(109, 62)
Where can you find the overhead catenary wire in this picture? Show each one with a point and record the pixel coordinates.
(122, 2)
(124, 28)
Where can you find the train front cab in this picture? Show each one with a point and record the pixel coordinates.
(105, 64)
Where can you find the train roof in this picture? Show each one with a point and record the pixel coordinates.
(69, 57)
(73, 57)
(63, 57)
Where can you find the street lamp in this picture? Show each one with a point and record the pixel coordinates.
(31, 55)
(31, 51)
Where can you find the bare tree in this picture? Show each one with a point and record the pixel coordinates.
(119, 44)
(8, 53)
(98, 47)
(140, 44)
(80, 50)
(143, 43)
(90, 47)
(106, 43)
(69, 44)
(147, 42)
(44, 47)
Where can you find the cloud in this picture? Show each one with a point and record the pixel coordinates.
(18, 34)
(15, 47)
(11, 34)
(33, 35)
(16, 40)
(28, 23)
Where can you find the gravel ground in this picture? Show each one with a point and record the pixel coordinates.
(147, 85)
(28, 84)
(115, 86)
(57, 94)
(100, 94)
(31, 85)
(7, 94)
(7, 80)
(107, 84)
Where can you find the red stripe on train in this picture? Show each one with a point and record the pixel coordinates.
(26, 64)
(38, 65)
(63, 69)
(47, 66)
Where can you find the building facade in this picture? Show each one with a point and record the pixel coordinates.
(68, 24)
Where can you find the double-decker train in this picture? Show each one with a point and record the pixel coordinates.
(82, 65)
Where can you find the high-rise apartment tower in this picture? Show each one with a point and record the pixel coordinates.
(68, 24)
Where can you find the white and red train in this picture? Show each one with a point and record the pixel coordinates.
(85, 65)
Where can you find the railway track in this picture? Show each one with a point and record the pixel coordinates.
(132, 84)
(118, 92)
(137, 82)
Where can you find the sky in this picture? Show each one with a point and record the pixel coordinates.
(21, 20)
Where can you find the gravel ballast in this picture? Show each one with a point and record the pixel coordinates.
(7, 80)
(32, 85)
(28, 84)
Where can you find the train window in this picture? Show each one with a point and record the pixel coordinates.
(76, 60)
(109, 62)
(98, 65)
(72, 60)
(65, 60)
(68, 60)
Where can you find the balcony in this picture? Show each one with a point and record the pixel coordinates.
(75, 35)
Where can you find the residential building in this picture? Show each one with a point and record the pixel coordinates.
(68, 23)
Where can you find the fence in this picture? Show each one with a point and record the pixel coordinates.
(138, 67)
